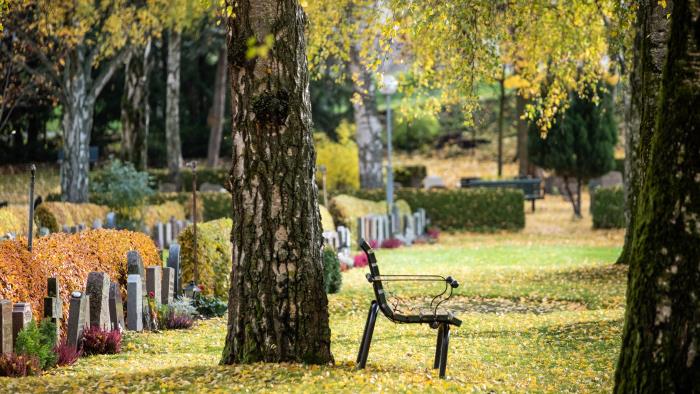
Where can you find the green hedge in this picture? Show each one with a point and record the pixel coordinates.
(213, 205)
(479, 209)
(332, 279)
(608, 207)
(213, 256)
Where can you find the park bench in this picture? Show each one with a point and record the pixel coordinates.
(433, 316)
(531, 187)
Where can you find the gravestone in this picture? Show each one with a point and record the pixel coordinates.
(6, 342)
(167, 283)
(116, 307)
(433, 182)
(65, 229)
(97, 224)
(154, 275)
(81, 227)
(174, 263)
(134, 303)
(21, 317)
(78, 317)
(53, 305)
(97, 289)
(111, 220)
(43, 232)
(173, 227)
(134, 266)
(168, 234)
(160, 233)
(211, 187)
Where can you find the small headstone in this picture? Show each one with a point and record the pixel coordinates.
(6, 341)
(153, 282)
(53, 305)
(97, 224)
(167, 286)
(78, 317)
(21, 316)
(116, 307)
(134, 266)
(65, 229)
(174, 263)
(81, 227)
(168, 234)
(134, 306)
(44, 232)
(433, 182)
(111, 220)
(210, 187)
(97, 289)
(160, 234)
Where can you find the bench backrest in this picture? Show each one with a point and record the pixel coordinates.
(379, 292)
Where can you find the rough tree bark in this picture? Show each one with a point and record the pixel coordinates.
(645, 82)
(172, 107)
(661, 338)
(216, 114)
(278, 309)
(135, 111)
(79, 91)
(369, 130)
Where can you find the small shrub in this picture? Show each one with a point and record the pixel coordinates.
(326, 219)
(38, 341)
(66, 354)
(340, 158)
(213, 256)
(124, 189)
(177, 321)
(216, 205)
(332, 280)
(411, 134)
(99, 341)
(183, 306)
(19, 365)
(360, 260)
(391, 243)
(433, 233)
(410, 176)
(208, 307)
(608, 207)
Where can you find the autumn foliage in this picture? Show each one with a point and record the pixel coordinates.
(53, 215)
(70, 257)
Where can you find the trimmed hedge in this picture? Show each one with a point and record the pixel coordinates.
(53, 215)
(213, 256)
(326, 219)
(608, 207)
(163, 213)
(218, 176)
(347, 209)
(13, 219)
(70, 257)
(216, 205)
(478, 209)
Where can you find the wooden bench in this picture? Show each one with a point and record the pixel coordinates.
(531, 187)
(440, 319)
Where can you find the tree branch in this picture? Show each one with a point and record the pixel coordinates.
(109, 70)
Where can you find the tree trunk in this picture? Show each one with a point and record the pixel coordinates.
(278, 309)
(575, 199)
(501, 106)
(645, 82)
(78, 110)
(661, 338)
(135, 114)
(172, 108)
(524, 167)
(216, 114)
(368, 128)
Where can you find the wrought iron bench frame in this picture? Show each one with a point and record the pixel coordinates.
(440, 321)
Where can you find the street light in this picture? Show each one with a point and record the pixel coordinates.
(388, 88)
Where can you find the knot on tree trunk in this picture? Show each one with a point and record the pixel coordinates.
(271, 107)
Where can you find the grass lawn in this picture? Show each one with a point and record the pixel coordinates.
(537, 317)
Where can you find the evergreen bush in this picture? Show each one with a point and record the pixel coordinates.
(608, 207)
(332, 279)
(38, 341)
(124, 189)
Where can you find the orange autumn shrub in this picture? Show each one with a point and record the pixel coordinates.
(69, 257)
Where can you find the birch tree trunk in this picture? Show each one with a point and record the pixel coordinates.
(135, 111)
(216, 114)
(278, 310)
(172, 107)
(645, 82)
(661, 337)
(524, 167)
(368, 128)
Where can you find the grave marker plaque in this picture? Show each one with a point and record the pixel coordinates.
(174, 263)
(116, 307)
(153, 282)
(78, 317)
(6, 342)
(21, 316)
(134, 306)
(53, 306)
(167, 286)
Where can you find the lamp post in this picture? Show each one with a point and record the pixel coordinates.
(31, 210)
(389, 88)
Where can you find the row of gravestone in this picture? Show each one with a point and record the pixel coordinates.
(339, 240)
(100, 305)
(382, 227)
(165, 234)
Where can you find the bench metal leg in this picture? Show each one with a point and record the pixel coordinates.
(443, 352)
(533, 205)
(438, 348)
(367, 335)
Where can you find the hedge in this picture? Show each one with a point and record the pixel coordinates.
(217, 176)
(53, 215)
(326, 219)
(163, 213)
(213, 256)
(410, 176)
(608, 207)
(70, 257)
(13, 219)
(347, 209)
(210, 205)
(478, 209)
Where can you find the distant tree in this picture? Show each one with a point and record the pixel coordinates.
(580, 144)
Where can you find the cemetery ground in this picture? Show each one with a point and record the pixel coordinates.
(542, 311)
